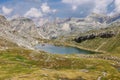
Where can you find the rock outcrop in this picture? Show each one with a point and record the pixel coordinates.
(15, 32)
(106, 34)
(24, 26)
(83, 38)
(74, 26)
(92, 36)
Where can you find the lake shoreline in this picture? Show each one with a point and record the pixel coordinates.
(60, 49)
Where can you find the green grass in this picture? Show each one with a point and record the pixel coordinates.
(108, 45)
(12, 64)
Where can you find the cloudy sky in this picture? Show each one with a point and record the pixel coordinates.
(57, 8)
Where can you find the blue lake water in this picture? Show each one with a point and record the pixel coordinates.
(60, 49)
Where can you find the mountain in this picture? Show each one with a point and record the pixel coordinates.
(113, 18)
(20, 38)
(24, 26)
(24, 32)
(101, 18)
(71, 26)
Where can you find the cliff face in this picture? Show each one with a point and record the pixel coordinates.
(70, 26)
(24, 26)
(17, 33)
(3, 21)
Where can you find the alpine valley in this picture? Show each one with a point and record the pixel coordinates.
(98, 34)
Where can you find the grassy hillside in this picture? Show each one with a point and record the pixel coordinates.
(106, 45)
(111, 45)
(22, 64)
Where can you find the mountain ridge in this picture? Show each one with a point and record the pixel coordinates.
(26, 33)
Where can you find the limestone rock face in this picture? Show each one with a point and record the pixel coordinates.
(24, 26)
(25, 32)
(66, 27)
(113, 18)
(74, 26)
(3, 21)
(17, 34)
(101, 18)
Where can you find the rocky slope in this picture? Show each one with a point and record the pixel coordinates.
(10, 33)
(71, 26)
(25, 33)
(24, 26)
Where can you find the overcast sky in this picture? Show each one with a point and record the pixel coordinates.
(57, 8)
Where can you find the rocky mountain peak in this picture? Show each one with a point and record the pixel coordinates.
(97, 17)
(22, 24)
(23, 19)
(114, 17)
(21, 31)
(3, 21)
(25, 26)
(2, 17)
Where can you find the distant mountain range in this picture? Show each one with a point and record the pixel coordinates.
(69, 26)
(24, 32)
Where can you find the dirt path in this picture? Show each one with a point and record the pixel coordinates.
(100, 46)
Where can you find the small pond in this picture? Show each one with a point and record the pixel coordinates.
(60, 49)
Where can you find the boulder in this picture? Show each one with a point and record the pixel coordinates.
(83, 38)
(106, 35)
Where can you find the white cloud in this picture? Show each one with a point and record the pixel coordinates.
(33, 12)
(117, 8)
(45, 8)
(76, 2)
(6, 10)
(74, 7)
(117, 5)
(101, 6)
(54, 10)
(41, 12)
